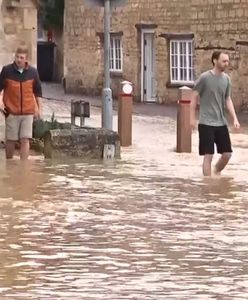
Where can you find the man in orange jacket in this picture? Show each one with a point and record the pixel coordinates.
(22, 94)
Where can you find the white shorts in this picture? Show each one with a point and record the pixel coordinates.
(19, 127)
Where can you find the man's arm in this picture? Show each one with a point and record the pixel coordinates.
(2, 79)
(231, 110)
(197, 90)
(230, 106)
(193, 106)
(37, 90)
(39, 105)
(2, 85)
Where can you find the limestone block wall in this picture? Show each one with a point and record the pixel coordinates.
(215, 24)
(82, 48)
(18, 25)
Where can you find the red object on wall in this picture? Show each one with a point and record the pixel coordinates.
(50, 35)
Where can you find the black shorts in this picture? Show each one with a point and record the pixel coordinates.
(210, 135)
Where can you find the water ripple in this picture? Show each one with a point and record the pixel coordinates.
(84, 230)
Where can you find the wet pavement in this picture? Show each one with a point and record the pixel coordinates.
(145, 227)
(54, 91)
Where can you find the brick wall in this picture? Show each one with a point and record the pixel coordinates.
(216, 24)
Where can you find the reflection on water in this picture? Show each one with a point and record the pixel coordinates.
(88, 230)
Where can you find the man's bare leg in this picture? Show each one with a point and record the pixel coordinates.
(222, 162)
(24, 150)
(10, 149)
(207, 162)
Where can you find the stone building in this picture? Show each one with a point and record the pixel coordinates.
(159, 45)
(18, 25)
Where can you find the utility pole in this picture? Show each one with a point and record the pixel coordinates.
(107, 101)
(107, 105)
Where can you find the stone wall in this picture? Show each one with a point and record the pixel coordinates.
(18, 25)
(82, 48)
(216, 24)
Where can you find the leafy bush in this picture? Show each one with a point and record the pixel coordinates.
(40, 127)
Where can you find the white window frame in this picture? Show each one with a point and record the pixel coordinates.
(189, 76)
(114, 39)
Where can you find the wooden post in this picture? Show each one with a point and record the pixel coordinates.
(184, 130)
(125, 111)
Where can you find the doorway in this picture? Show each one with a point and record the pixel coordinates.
(148, 81)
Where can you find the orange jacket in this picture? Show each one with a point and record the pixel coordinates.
(20, 89)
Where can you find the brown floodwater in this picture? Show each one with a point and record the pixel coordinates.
(145, 227)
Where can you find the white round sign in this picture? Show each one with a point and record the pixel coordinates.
(127, 88)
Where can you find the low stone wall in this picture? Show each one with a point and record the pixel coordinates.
(83, 142)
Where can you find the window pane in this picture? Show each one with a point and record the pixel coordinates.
(180, 48)
(191, 74)
(185, 75)
(190, 48)
(117, 53)
(182, 61)
(190, 61)
(184, 48)
(175, 74)
(111, 53)
(172, 61)
(118, 44)
(176, 60)
(112, 64)
(181, 74)
(119, 64)
(172, 48)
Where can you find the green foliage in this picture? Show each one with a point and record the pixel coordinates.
(53, 13)
(40, 127)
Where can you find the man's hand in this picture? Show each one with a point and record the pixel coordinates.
(193, 105)
(230, 108)
(37, 114)
(236, 124)
(2, 106)
(193, 124)
(38, 108)
(3, 109)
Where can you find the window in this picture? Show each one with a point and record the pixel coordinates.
(181, 61)
(40, 30)
(115, 53)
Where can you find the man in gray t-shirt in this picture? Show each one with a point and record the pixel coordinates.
(213, 91)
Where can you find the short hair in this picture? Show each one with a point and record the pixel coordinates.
(22, 50)
(216, 55)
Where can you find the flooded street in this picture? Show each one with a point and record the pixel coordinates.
(145, 227)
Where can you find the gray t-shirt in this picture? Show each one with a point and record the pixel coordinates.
(213, 91)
